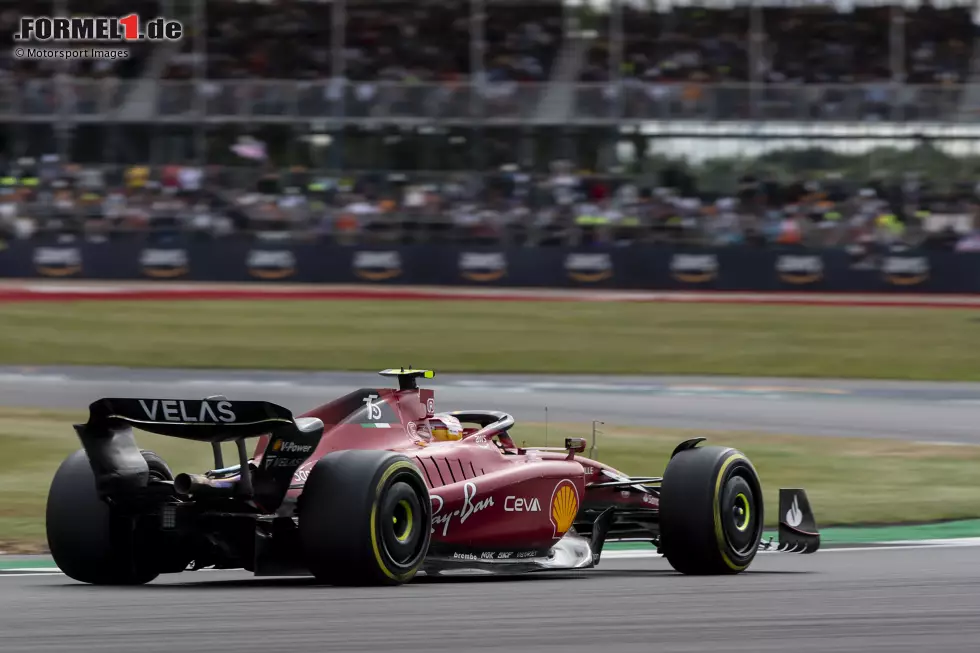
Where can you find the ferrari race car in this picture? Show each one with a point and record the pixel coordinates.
(375, 486)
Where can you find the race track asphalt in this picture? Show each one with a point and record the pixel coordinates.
(937, 412)
(895, 600)
(855, 601)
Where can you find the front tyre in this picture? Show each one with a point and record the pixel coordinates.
(89, 541)
(711, 511)
(364, 518)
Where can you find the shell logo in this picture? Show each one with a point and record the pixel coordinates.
(277, 446)
(564, 506)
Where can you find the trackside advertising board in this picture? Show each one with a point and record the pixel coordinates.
(638, 267)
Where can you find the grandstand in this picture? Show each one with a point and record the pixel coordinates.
(490, 110)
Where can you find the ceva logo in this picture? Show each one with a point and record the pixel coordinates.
(522, 504)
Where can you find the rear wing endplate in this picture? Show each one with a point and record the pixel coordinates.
(118, 463)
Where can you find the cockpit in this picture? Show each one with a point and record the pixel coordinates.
(491, 427)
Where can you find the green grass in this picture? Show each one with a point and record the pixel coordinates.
(849, 481)
(33, 443)
(470, 336)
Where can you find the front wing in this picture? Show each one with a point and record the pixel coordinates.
(797, 533)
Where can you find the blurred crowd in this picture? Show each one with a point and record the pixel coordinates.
(46, 199)
(430, 40)
(422, 41)
(393, 58)
(799, 45)
(668, 58)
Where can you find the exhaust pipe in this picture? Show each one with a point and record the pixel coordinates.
(196, 484)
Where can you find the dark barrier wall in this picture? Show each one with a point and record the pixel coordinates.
(635, 267)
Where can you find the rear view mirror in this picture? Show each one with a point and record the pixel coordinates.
(575, 445)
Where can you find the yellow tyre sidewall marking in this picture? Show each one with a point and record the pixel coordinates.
(748, 512)
(410, 519)
(402, 464)
(716, 507)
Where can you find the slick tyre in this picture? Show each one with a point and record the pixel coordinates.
(89, 541)
(711, 511)
(364, 519)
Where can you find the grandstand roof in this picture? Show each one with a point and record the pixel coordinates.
(602, 6)
(840, 5)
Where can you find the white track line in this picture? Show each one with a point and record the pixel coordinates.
(51, 570)
(883, 546)
(905, 547)
(899, 545)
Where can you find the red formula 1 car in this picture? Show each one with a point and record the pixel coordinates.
(375, 486)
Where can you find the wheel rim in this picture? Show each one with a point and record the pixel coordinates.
(403, 521)
(742, 512)
(740, 517)
(400, 524)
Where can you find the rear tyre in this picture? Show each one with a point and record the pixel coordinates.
(159, 470)
(89, 541)
(711, 511)
(365, 518)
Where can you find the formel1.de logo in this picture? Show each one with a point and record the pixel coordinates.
(97, 29)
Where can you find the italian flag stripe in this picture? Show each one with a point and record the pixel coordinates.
(377, 425)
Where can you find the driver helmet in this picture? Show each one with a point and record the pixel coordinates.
(441, 427)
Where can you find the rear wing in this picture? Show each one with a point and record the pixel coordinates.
(119, 466)
(206, 420)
